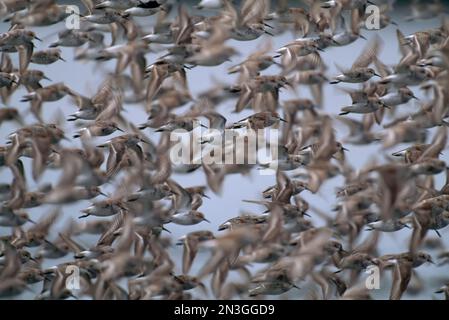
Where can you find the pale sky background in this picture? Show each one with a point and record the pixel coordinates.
(86, 77)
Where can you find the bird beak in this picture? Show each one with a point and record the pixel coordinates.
(377, 75)
(415, 97)
(103, 194)
(46, 78)
(204, 219)
(119, 129)
(205, 196)
(202, 125)
(39, 39)
(319, 49)
(267, 25)
(283, 120)
(61, 58)
(269, 33)
(363, 37)
(430, 260)
(344, 149)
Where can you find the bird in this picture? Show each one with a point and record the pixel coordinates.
(71, 38)
(402, 271)
(359, 71)
(270, 201)
(47, 56)
(258, 120)
(363, 104)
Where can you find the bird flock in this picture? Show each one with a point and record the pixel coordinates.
(293, 249)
